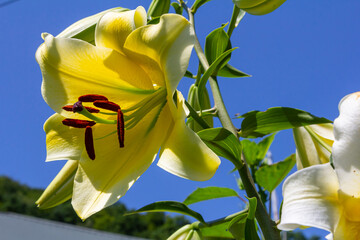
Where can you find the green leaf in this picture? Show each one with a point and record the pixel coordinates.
(237, 226)
(158, 8)
(169, 206)
(219, 231)
(270, 176)
(197, 4)
(252, 208)
(258, 124)
(189, 75)
(196, 117)
(216, 43)
(223, 143)
(231, 72)
(264, 145)
(84, 29)
(178, 8)
(207, 193)
(243, 227)
(213, 67)
(154, 20)
(250, 230)
(250, 150)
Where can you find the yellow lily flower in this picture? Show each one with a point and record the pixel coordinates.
(313, 144)
(116, 105)
(326, 198)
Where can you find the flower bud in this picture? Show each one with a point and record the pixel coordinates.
(313, 144)
(61, 188)
(258, 7)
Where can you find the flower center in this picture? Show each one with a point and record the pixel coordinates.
(125, 118)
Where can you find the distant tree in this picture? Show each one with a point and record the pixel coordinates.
(15, 197)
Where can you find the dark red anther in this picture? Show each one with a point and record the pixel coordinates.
(120, 127)
(77, 123)
(69, 108)
(92, 98)
(89, 143)
(107, 105)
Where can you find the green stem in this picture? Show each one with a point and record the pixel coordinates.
(234, 17)
(219, 103)
(267, 226)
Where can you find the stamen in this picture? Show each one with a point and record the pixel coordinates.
(89, 143)
(92, 98)
(120, 128)
(106, 105)
(77, 123)
(69, 108)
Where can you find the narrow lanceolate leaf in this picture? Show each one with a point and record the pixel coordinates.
(212, 69)
(231, 72)
(85, 28)
(216, 43)
(158, 8)
(258, 124)
(169, 206)
(195, 117)
(197, 4)
(270, 176)
(223, 143)
(207, 193)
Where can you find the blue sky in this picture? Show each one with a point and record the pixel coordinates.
(304, 55)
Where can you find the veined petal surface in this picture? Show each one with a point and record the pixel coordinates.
(101, 182)
(72, 67)
(62, 142)
(184, 154)
(310, 199)
(114, 27)
(168, 44)
(346, 154)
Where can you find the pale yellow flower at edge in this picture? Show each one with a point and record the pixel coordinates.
(321, 197)
(313, 144)
(137, 67)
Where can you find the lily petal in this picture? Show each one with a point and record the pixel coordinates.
(101, 182)
(346, 229)
(309, 151)
(62, 142)
(114, 27)
(346, 154)
(184, 154)
(310, 199)
(167, 44)
(71, 67)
